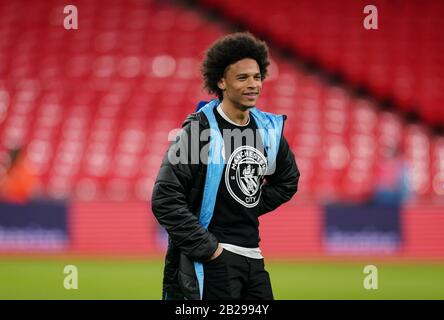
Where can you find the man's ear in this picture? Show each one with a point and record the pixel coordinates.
(221, 84)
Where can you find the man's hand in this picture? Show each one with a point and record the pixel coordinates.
(216, 253)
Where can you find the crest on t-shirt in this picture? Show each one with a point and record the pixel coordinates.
(244, 175)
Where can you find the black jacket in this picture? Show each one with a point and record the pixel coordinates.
(176, 198)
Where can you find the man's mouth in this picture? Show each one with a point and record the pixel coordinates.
(251, 94)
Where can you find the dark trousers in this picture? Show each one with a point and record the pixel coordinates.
(232, 276)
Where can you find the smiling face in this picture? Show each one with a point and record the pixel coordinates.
(242, 83)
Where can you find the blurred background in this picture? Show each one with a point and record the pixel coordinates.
(84, 121)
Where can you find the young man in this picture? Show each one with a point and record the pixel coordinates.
(209, 195)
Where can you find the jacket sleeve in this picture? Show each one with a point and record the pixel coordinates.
(171, 207)
(280, 187)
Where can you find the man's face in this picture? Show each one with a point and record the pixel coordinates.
(242, 83)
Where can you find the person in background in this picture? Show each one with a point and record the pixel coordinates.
(19, 181)
(392, 186)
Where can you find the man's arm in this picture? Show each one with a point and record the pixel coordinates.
(171, 208)
(283, 184)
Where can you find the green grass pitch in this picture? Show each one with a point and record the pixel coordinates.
(43, 278)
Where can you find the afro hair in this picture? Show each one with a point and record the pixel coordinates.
(228, 50)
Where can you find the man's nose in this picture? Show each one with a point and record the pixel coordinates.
(253, 83)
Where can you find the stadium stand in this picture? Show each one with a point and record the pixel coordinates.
(401, 60)
(94, 106)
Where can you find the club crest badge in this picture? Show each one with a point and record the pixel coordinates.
(244, 175)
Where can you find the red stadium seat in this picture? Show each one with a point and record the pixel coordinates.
(95, 106)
